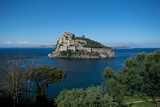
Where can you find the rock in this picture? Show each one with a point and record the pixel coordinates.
(69, 46)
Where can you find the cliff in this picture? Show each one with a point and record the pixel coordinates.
(69, 46)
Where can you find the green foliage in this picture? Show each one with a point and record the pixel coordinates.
(143, 104)
(132, 99)
(91, 43)
(112, 86)
(140, 75)
(14, 81)
(108, 73)
(67, 98)
(92, 53)
(114, 89)
(80, 42)
(38, 90)
(46, 74)
(69, 53)
(91, 97)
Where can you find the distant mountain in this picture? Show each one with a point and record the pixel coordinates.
(121, 47)
(42, 46)
(46, 46)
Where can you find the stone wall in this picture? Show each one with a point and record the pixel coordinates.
(87, 49)
(80, 41)
(72, 48)
(63, 48)
(70, 35)
(100, 50)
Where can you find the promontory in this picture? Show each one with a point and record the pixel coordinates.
(69, 46)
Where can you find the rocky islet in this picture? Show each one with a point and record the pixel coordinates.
(69, 46)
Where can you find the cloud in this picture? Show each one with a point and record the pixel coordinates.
(26, 42)
(19, 42)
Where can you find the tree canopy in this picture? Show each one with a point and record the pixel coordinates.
(46, 74)
(140, 76)
(91, 97)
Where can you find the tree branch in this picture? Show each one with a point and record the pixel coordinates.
(144, 99)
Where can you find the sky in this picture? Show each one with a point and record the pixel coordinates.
(134, 23)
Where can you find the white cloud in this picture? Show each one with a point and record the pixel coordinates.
(27, 42)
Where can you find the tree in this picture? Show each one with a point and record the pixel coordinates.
(112, 86)
(42, 90)
(38, 90)
(13, 78)
(47, 75)
(91, 97)
(140, 76)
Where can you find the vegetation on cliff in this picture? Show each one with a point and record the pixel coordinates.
(91, 43)
(70, 53)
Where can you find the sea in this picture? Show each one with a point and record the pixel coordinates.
(81, 73)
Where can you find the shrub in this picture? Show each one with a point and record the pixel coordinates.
(91, 97)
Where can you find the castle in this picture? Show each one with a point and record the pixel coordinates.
(68, 41)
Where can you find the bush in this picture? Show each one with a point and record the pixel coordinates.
(69, 53)
(91, 97)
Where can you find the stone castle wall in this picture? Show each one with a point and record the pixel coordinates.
(63, 48)
(100, 50)
(72, 48)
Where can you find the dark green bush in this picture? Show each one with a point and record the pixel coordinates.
(78, 53)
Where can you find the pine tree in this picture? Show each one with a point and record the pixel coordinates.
(42, 90)
(38, 90)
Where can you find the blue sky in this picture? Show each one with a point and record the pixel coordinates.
(134, 23)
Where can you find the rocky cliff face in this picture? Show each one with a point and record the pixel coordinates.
(69, 46)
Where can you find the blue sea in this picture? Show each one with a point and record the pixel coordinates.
(81, 73)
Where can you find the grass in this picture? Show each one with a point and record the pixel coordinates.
(131, 99)
(140, 104)
(143, 104)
